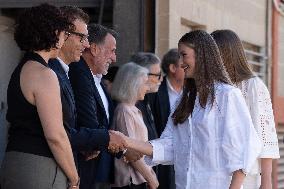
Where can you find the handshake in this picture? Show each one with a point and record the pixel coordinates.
(119, 142)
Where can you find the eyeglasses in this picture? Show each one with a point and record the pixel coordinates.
(83, 37)
(159, 75)
(184, 66)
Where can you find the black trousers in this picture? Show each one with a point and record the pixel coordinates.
(132, 186)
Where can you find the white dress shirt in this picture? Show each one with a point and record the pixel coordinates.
(173, 95)
(209, 146)
(64, 66)
(97, 79)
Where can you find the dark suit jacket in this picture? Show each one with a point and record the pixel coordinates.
(160, 106)
(91, 114)
(144, 107)
(81, 138)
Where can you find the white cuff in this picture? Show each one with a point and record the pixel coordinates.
(158, 151)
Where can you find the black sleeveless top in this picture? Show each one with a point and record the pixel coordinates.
(25, 132)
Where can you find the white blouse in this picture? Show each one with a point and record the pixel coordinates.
(212, 144)
(258, 100)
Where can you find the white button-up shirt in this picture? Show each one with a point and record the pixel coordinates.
(173, 95)
(97, 79)
(209, 146)
(64, 66)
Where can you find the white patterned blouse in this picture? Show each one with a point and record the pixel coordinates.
(258, 100)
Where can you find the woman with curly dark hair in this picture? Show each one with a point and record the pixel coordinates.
(258, 101)
(38, 153)
(210, 137)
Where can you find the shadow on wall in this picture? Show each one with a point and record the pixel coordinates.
(3, 134)
(10, 55)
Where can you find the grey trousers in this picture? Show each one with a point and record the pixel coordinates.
(22, 170)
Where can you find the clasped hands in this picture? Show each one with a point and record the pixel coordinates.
(118, 142)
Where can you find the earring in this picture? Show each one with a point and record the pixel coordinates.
(57, 45)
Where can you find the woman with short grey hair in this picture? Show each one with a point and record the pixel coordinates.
(127, 82)
(129, 86)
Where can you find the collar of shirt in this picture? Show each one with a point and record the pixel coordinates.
(64, 66)
(97, 78)
(170, 87)
(132, 107)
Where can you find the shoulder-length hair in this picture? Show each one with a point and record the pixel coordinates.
(209, 69)
(127, 82)
(233, 55)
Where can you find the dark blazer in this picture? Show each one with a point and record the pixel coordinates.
(81, 138)
(160, 106)
(144, 107)
(91, 114)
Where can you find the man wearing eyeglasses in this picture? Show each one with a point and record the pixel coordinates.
(88, 138)
(153, 64)
(163, 103)
(170, 90)
(151, 117)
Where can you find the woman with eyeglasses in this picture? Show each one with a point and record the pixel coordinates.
(209, 138)
(38, 153)
(258, 101)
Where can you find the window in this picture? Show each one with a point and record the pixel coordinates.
(257, 60)
(187, 26)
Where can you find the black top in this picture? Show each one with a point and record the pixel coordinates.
(26, 133)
